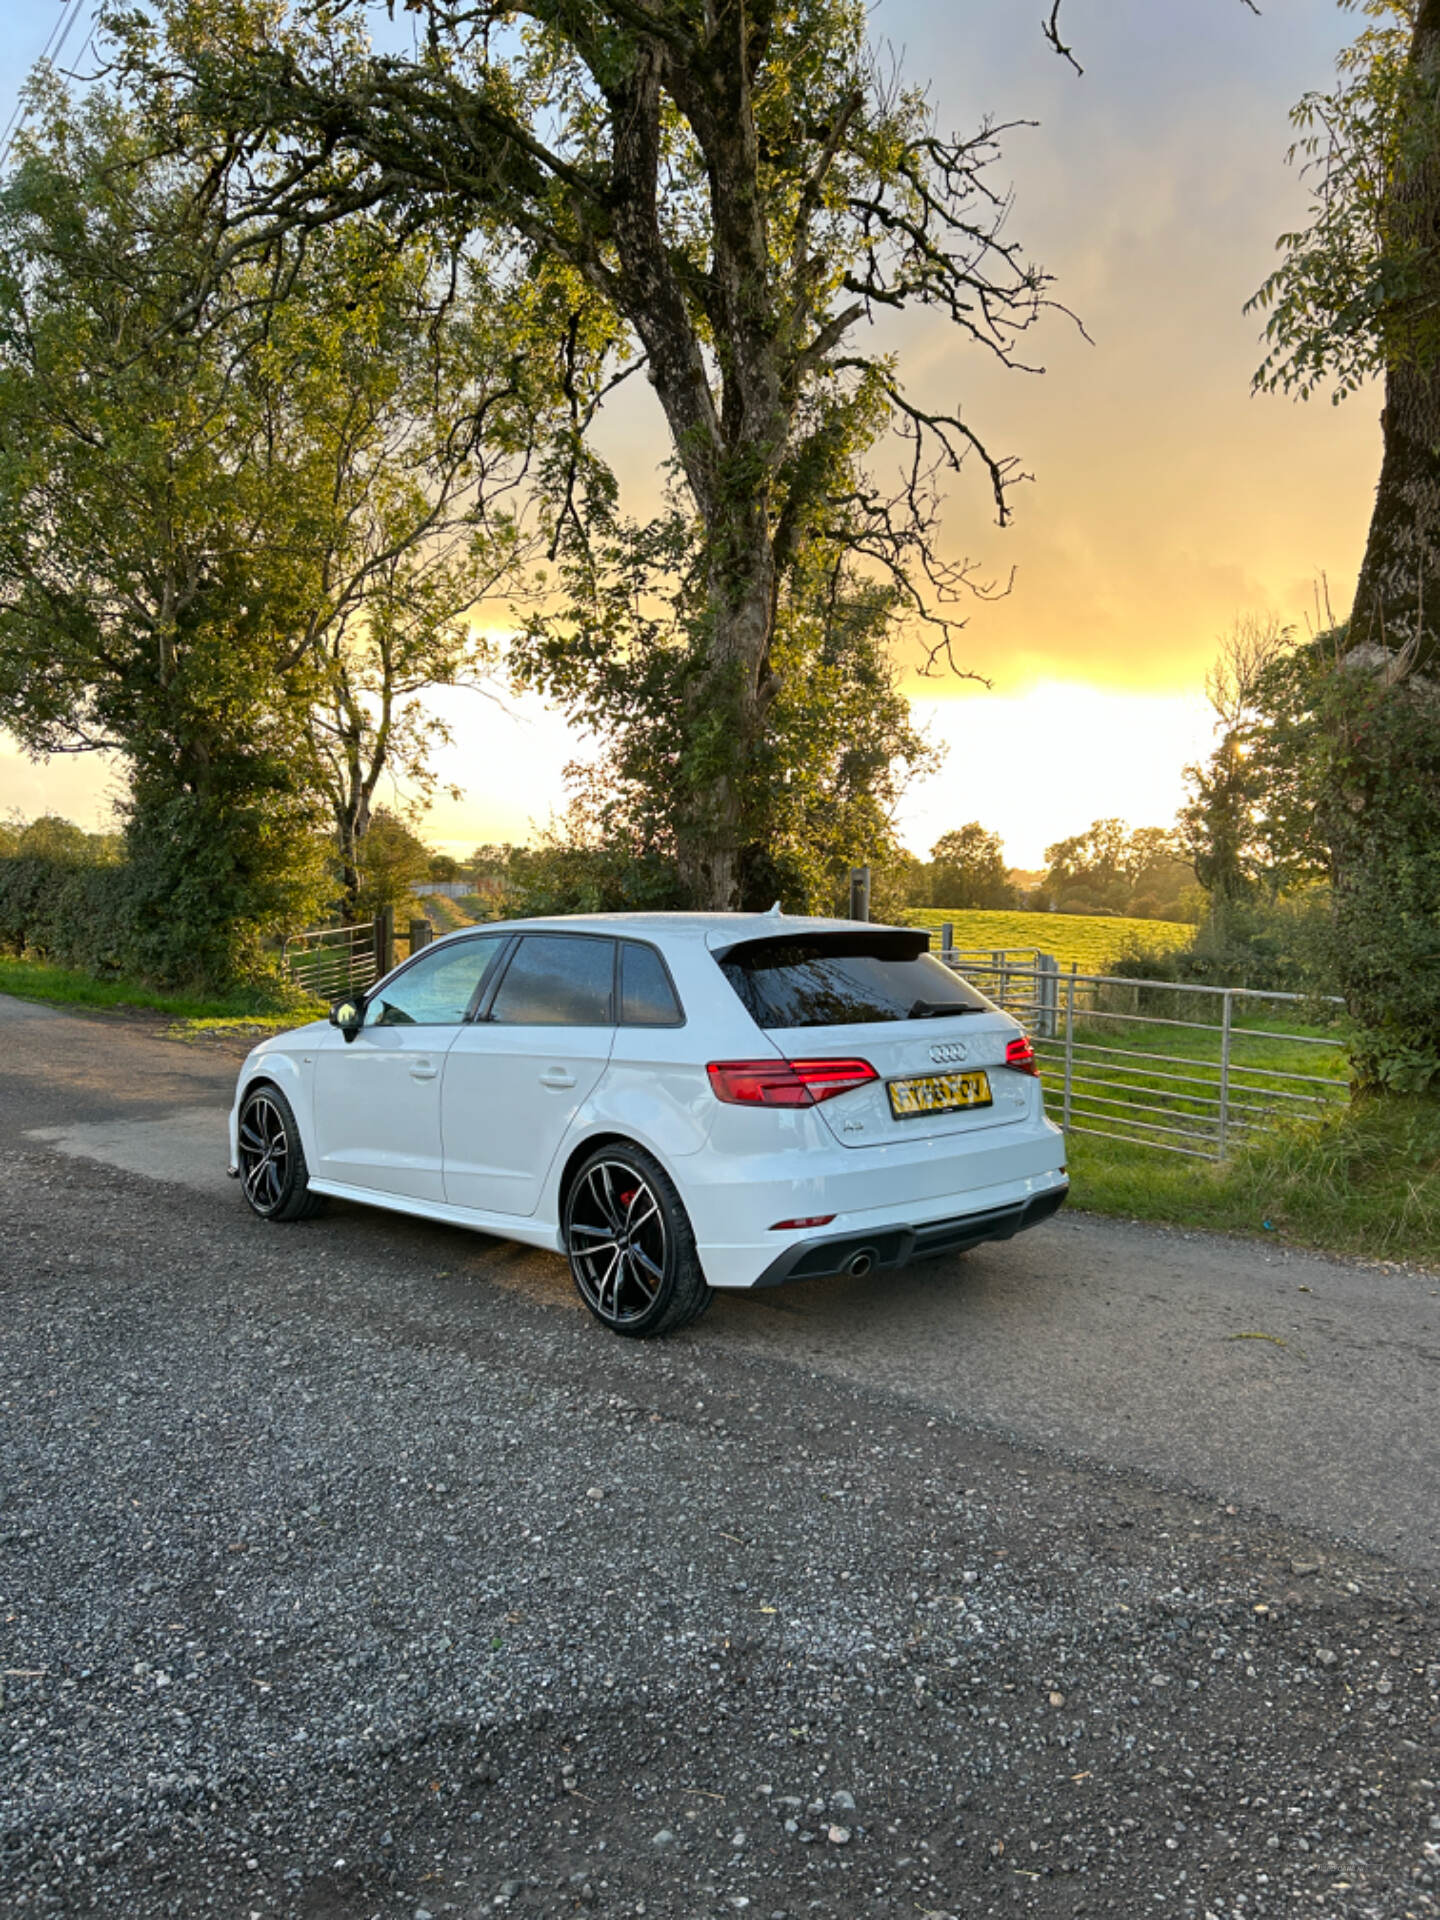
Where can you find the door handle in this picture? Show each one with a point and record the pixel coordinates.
(557, 1077)
(424, 1070)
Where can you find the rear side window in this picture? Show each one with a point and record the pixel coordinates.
(845, 980)
(647, 999)
(557, 981)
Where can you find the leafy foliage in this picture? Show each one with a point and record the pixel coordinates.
(246, 508)
(724, 197)
(967, 869)
(1326, 787)
(1352, 292)
(393, 860)
(835, 750)
(1113, 868)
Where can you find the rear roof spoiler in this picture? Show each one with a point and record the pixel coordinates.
(883, 943)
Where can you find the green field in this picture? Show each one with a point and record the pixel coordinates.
(1090, 940)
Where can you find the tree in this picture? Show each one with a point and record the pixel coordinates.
(1090, 869)
(1112, 868)
(735, 190)
(835, 752)
(1357, 296)
(394, 860)
(149, 597)
(233, 546)
(1223, 824)
(967, 869)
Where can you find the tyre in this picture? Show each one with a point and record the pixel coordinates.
(273, 1174)
(630, 1245)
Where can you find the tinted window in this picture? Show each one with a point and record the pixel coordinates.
(844, 981)
(557, 981)
(647, 998)
(437, 990)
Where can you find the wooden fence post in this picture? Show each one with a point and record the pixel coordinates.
(384, 941)
(421, 934)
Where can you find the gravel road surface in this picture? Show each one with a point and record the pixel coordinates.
(349, 1569)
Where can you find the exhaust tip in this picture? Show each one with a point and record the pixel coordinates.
(859, 1264)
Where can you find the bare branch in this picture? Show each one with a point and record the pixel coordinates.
(1051, 28)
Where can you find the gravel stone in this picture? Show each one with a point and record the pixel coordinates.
(324, 1482)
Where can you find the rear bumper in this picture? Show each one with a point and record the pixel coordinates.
(896, 1246)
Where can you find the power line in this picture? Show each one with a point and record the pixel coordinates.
(70, 12)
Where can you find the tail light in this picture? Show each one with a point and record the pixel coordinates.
(1020, 1055)
(785, 1083)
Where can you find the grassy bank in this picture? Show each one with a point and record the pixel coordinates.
(1364, 1182)
(1091, 940)
(66, 987)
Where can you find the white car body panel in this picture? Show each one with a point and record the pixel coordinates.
(376, 1110)
(511, 1095)
(511, 1137)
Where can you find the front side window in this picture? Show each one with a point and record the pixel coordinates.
(647, 998)
(843, 980)
(557, 980)
(437, 990)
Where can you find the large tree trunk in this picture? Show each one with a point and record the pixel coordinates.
(1397, 599)
(730, 435)
(1383, 798)
(727, 716)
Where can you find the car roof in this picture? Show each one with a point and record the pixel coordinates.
(716, 929)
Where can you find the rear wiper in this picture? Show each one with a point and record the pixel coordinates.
(939, 1009)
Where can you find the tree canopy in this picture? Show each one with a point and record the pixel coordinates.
(967, 869)
(727, 195)
(246, 508)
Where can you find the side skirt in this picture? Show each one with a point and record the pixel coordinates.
(503, 1226)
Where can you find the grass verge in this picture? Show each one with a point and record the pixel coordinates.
(65, 986)
(1365, 1182)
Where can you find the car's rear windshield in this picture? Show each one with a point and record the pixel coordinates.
(845, 980)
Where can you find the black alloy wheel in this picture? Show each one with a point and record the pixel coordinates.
(273, 1175)
(630, 1245)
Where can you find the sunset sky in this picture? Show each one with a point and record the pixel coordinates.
(1166, 499)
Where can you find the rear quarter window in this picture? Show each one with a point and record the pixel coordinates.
(845, 981)
(647, 994)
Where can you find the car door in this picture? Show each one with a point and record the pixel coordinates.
(516, 1077)
(377, 1093)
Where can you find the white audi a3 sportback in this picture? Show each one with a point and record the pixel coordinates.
(676, 1102)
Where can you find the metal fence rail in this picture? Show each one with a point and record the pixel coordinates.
(333, 961)
(1123, 1059)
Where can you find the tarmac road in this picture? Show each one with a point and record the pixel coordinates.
(351, 1572)
(1304, 1386)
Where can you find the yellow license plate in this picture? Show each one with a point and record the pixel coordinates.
(939, 1093)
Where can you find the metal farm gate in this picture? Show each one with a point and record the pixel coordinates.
(1186, 1069)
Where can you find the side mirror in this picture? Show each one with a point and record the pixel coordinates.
(349, 1016)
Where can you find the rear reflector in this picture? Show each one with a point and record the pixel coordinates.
(1020, 1055)
(815, 1220)
(785, 1083)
